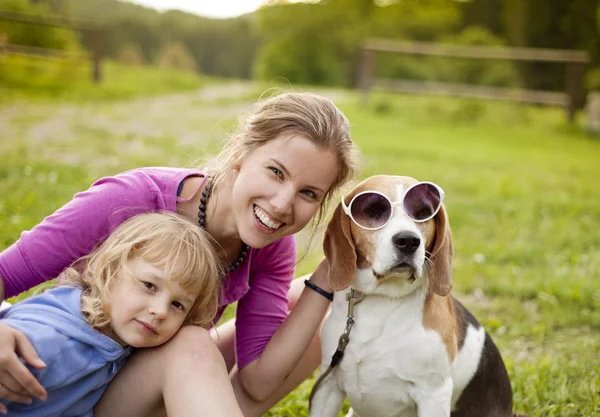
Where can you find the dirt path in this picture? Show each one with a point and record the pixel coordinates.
(134, 126)
(184, 116)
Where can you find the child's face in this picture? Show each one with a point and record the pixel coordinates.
(146, 309)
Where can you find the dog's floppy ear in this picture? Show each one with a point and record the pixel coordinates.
(339, 249)
(440, 270)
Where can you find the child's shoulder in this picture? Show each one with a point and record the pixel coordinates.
(58, 299)
(52, 321)
(45, 318)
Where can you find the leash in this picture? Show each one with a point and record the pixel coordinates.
(354, 297)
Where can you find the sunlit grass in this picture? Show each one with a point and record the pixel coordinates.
(29, 77)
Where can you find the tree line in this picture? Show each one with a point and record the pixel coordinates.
(318, 42)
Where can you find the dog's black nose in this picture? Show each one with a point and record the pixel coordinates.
(407, 242)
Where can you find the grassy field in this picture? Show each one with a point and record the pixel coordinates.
(70, 80)
(521, 191)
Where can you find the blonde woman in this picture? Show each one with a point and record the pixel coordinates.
(154, 273)
(274, 177)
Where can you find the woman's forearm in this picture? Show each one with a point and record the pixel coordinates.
(290, 342)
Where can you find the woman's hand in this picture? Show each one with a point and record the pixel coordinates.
(16, 382)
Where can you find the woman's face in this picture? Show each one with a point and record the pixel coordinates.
(279, 187)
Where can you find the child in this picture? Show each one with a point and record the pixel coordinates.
(154, 273)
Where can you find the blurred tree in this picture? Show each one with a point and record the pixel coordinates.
(58, 6)
(176, 55)
(485, 13)
(130, 54)
(312, 43)
(319, 43)
(551, 24)
(477, 71)
(123, 23)
(592, 81)
(422, 20)
(426, 20)
(224, 47)
(134, 30)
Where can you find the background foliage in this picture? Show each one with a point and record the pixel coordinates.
(318, 42)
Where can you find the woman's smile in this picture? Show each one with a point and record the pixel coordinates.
(265, 221)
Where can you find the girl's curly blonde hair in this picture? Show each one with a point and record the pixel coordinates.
(168, 241)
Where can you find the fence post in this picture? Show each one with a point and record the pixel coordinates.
(593, 112)
(573, 81)
(97, 36)
(365, 74)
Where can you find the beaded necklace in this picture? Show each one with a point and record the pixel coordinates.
(202, 223)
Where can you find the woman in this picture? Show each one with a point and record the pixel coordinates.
(277, 174)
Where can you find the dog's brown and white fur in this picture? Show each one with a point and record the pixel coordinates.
(414, 350)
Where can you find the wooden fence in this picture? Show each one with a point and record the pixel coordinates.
(77, 25)
(570, 99)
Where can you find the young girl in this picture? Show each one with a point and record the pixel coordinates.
(275, 176)
(153, 274)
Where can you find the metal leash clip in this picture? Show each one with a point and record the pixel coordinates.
(354, 298)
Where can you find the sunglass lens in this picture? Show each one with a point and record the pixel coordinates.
(371, 210)
(422, 201)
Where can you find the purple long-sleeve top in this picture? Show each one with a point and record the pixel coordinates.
(260, 284)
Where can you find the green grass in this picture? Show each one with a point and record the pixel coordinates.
(521, 191)
(28, 78)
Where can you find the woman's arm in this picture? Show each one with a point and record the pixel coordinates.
(18, 383)
(73, 231)
(263, 376)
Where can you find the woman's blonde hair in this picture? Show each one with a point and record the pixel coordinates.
(185, 252)
(294, 114)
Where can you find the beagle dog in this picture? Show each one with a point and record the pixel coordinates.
(413, 350)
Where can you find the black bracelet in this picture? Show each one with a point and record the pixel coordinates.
(320, 290)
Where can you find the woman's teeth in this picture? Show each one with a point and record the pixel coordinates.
(265, 219)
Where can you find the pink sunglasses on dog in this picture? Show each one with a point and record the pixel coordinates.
(372, 210)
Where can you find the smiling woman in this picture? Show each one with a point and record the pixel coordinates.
(273, 178)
